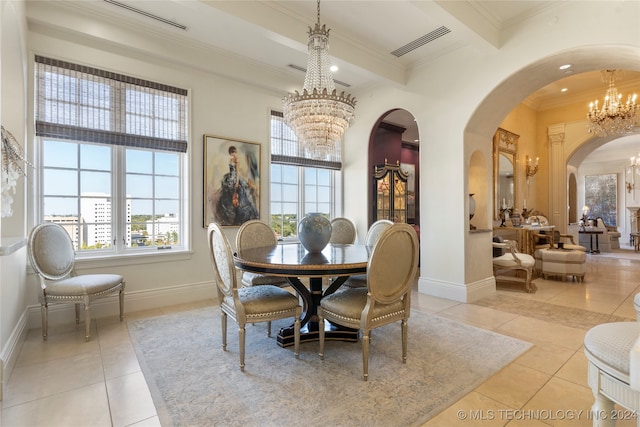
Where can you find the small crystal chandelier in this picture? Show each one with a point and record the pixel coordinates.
(319, 116)
(614, 117)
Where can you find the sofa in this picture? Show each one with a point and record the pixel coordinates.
(614, 234)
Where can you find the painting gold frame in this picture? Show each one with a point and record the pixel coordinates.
(231, 176)
(505, 150)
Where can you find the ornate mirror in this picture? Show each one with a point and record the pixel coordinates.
(505, 153)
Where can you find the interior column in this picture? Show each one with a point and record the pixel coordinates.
(557, 178)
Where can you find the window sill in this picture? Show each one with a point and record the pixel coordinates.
(132, 259)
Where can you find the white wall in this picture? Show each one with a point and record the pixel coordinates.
(460, 99)
(13, 229)
(217, 106)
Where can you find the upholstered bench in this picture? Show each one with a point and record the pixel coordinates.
(563, 262)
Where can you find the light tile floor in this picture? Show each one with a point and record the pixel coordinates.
(69, 382)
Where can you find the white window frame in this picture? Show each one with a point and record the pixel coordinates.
(292, 157)
(119, 252)
(119, 203)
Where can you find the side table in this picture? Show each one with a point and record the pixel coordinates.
(635, 241)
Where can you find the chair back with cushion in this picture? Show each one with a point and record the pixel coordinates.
(256, 234)
(343, 231)
(373, 234)
(392, 267)
(391, 272)
(376, 229)
(247, 304)
(51, 254)
(51, 251)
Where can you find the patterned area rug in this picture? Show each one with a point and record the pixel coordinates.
(574, 317)
(194, 383)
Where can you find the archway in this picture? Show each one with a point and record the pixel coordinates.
(395, 139)
(573, 198)
(513, 90)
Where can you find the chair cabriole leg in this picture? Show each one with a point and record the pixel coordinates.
(321, 333)
(366, 336)
(404, 328)
(241, 338)
(223, 325)
(122, 303)
(87, 319)
(602, 412)
(296, 336)
(44, 312)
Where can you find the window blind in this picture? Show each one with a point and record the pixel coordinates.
(286, 150)
(88, 104)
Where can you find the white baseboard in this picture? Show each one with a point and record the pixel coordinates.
(11, 350)
(462, 292)
(61, 314)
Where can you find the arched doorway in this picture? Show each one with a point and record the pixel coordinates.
(395, 140)
(573, 198)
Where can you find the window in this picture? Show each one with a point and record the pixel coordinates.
(111, 159)
(298, 185)
(601, 196)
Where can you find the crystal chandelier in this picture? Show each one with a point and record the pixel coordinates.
(614, 117)
(318, 115)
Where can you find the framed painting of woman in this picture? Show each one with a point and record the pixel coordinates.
(231, 181)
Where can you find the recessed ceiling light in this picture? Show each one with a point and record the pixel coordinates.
(564, 89)
(565, 66)
(333, 68)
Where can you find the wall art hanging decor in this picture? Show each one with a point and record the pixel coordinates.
(231, 181)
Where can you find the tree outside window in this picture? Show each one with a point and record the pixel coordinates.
(601, 196)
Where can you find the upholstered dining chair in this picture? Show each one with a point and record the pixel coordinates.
(255, 234)
(247, 304)
(511, 259)
(374, 232)
(343, 231)
(613, 355)
(391, 271)
(52, 257)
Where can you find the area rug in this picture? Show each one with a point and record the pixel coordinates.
(568, 316)
(194, 383)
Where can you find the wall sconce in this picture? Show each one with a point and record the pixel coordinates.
(632, 170)
(531, 170)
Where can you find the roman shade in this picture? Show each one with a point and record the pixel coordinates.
(286, 150)
(82, 103)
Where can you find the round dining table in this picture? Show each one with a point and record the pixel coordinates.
(291, 260)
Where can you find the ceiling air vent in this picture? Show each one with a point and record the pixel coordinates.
(147, 14)
(427, 38)
(304, 70)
